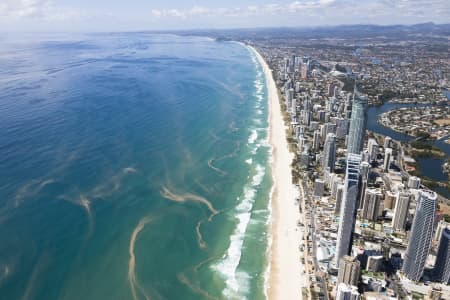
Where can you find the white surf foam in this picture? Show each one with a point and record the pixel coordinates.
(237, 282)
(253, 136)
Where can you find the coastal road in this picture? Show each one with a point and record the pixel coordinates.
(305, 193)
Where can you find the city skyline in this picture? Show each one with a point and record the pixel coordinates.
(51, 15)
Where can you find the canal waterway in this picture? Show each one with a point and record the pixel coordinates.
(429, 167)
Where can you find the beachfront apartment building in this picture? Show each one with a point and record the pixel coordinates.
(421, 235)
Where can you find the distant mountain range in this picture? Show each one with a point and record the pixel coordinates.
(425, 30)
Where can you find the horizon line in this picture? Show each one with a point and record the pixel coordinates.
(310, 27)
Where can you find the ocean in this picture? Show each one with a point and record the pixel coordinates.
(133, 166)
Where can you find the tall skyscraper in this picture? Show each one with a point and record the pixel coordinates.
(421, 235)
(348, 206)
(329, 152)
(349, 269)
(371, 207)
(442, 267)
(358, 124)
(401, 211)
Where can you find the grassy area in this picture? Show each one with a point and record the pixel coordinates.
(417, 295)
(378, 275)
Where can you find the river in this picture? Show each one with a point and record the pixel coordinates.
(429, 167)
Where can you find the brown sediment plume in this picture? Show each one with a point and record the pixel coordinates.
(168, 194)
(86, 204)
(31, 189)
(134, 284)
(83, 202)
(34, 276)
(200, 240)
(210, 164)
(113, 185)
(195, 288)
(230, 155)
(204, 187)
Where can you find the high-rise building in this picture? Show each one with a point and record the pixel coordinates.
(339, 196)
(358, 123)
(306, 117)
(341, 128)
(442, 266)
(330, 128)
(372, 147)
(387, 142)
(331, 89)
(401, 211)
(294, 106)
(371, 207)
(387, 159)
(374, 263)
(289, 97)
(301, 143)
(348, 206)
(349, 269)
(413, 182)
(329, 152)
(316, 140)
(390, 200)
(336, 181)
(347, 292)
(307, 105)
(364, 170)
(421, 235)
(439, 228)
(348, 107)
(319, 187)
(304, 71)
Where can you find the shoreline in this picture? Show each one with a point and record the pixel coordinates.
(285, 275)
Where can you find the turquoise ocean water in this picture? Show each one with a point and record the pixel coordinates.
(132, 166)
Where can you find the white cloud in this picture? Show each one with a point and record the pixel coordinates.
(323, 8)
(266, 9)
(37, 9)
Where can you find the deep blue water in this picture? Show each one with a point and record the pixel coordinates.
(133, 166)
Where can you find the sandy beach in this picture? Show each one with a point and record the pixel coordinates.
(286, 277)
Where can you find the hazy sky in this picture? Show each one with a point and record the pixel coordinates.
(101, 15)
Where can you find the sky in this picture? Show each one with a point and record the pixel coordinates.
(126, 15)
